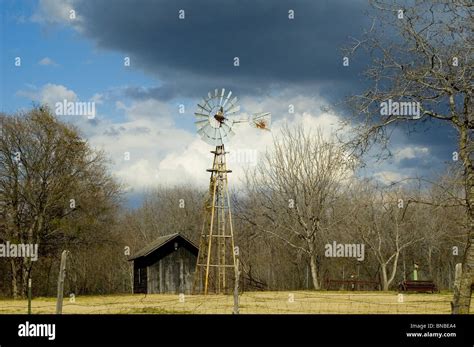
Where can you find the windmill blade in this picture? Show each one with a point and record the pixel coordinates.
(210, 101)
(235, 109)
(220, 139)
(203, 107)
(211, 132)
(208, 134)
(216, 128)
(222, 135)
(224, 130)
(229, 122)
(201, 115)
(207, 102)
(203, 131)
(231, 104)
(228, 130)
(216, 136)
(201, 123)
(227, 99)
(206, 131)
(222, 96)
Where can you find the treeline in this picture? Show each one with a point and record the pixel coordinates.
(55, 192)
(303, 195)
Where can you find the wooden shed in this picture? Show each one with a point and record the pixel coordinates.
(167, 265)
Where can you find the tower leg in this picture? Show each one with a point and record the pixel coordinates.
(216, 258)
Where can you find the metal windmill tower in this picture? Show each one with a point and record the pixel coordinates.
(216, 264)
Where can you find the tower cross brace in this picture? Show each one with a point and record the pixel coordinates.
(215, 268)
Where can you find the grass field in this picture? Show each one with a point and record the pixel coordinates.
(251, 303)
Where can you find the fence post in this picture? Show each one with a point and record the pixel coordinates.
(62, 274)
(236, 287)
(29, 295)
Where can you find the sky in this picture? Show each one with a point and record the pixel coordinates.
(145, 69)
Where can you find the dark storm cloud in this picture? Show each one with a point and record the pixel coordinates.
(161, 93)
(191, 56)
(433, 134)
(197, 52)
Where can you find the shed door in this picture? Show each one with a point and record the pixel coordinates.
(171, 275)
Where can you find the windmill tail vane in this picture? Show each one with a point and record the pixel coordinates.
(261, 121)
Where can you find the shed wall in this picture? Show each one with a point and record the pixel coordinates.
(172, 273)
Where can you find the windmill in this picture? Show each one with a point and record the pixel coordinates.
(216, 118)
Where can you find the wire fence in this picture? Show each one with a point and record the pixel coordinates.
(297, 302)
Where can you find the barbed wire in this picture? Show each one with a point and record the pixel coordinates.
(297, 302)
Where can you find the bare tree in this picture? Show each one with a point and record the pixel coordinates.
(165, 211)
(441, 215)
(386, 226)
(294, 187)
(51, 184)
(429, 61)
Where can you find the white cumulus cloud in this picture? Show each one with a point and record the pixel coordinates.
(389, 177)
(161, 152)
(49, 94)
(56, 12)
(410, 153)
(47, 61)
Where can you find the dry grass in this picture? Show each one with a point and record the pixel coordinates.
(252, 302)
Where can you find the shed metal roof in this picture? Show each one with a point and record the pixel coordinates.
(160, 241)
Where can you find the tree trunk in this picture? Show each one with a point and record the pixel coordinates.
(26, 271)
(462, 297)
(383, 267)
(457, 276)
(394, 269)
(430, 266)
(14, 282)
(314, 271)
(462, 294)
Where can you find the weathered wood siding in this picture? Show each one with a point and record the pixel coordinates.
(169, 269)
(172, 273)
